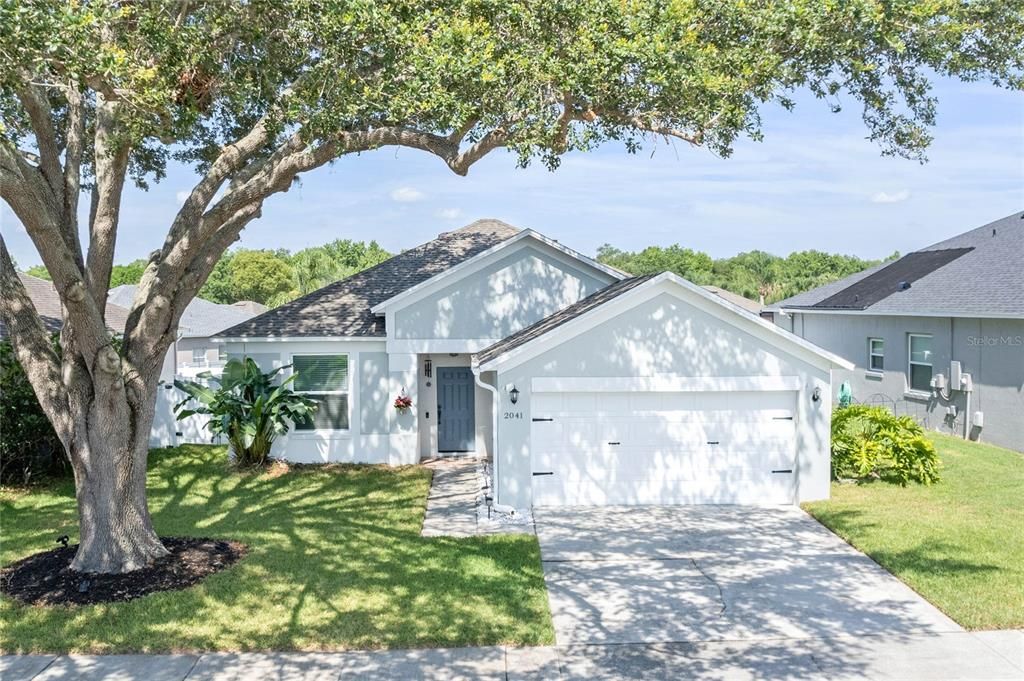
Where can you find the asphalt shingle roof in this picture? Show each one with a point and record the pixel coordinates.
(343, 308)
(896, 276)
(747, 304)
(201, 318)
(556, 319)
(987, 280)
(47, 303)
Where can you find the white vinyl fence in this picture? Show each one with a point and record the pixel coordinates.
(168, 431)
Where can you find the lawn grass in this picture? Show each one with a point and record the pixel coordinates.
(959, 543)
(336, 561)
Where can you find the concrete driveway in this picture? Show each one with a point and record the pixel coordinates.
(738, 592)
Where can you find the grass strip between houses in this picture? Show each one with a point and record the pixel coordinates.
(959, 543)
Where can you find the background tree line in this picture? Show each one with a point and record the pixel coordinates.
(274, 277)
(755, 274)
(270, 277)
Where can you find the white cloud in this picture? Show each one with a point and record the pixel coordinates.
(182, 195)
(449, 213)
(407, 195)
(895, 197)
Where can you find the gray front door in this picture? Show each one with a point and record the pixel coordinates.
(456, 424)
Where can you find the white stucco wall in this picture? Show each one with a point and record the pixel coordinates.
(520, 286)
(377, 433)
(665, 335)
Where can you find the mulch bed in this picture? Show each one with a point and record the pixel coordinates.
(47, 579)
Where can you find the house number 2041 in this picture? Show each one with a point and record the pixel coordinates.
(513, 414)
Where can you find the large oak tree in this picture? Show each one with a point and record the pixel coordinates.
(252, 93)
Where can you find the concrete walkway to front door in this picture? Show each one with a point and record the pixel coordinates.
(451, 502)
(455, 507)
(729, 591)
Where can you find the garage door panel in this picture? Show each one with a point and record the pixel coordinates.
(615, 465)
(675, 416)
(725, 489)
(588, 402)
(633, 448)
(667, 430)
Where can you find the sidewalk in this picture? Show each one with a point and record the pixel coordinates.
(496, 662)
(978, 656)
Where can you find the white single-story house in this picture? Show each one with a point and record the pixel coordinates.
(581, 384)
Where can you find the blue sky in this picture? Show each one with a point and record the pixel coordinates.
(814, 182)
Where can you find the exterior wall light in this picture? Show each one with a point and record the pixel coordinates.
(816, 395)
(428, 368)
(513, 394)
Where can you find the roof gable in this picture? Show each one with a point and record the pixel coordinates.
(343, 309)
(479, 260)
(570, 322)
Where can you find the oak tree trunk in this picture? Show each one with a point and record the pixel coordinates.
(109, 451)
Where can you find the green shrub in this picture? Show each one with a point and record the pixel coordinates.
(872, 443)
(248, 408)
(29, 447)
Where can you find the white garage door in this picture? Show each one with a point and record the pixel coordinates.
(663, 448)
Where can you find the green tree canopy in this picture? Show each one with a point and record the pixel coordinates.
(253, 94)
(38, 271)
(754, 274)
(318, 266)
(260, 275)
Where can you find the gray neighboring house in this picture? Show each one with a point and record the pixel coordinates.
(937, 334)
(581, 384)
(193, 351)
(48, 306)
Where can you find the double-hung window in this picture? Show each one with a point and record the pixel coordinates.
(323, 378)
(919, 368)
(876, 354)
(199, 357)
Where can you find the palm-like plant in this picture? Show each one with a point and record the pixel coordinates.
(247, 408)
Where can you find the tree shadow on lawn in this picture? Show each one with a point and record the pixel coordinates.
(336, 561)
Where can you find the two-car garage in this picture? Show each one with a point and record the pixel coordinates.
(706, 447)
(653, 391)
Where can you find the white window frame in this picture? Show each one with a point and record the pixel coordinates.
(347, 391)
(872, 354)
(911, 363)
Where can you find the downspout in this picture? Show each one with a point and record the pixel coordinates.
(495, 401)
(967, 415)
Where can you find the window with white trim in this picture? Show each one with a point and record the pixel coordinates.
(919, 362)
(323, 378)
(876, 354)
(199, 356)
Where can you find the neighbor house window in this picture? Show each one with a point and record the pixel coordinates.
(919, 371)
(199, 356)
(876, 354)
(323, 378)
